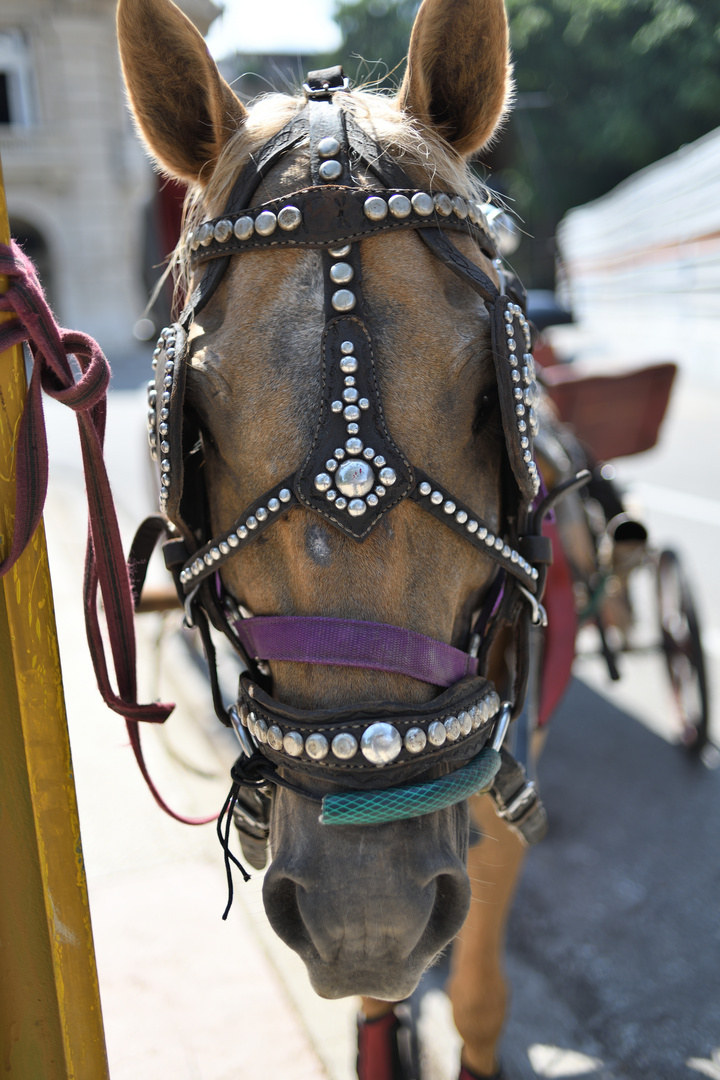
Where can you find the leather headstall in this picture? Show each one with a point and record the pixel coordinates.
(354, 472)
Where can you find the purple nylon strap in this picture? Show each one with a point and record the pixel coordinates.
(351, 643)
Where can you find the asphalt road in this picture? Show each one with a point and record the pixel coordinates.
(614, 941)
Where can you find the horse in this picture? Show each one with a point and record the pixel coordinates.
(343, 416)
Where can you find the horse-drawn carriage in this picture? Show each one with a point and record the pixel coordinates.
(357, 494)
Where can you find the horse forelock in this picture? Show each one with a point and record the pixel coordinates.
(424, 154)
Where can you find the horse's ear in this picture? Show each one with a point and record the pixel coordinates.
(458, 78)
(184, 108)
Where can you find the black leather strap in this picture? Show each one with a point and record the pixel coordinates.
(517, 800)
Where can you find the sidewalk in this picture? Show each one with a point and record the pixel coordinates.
(184, 995)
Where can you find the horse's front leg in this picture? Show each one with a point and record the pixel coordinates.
(477, 985)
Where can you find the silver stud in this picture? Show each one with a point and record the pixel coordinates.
(356, 507)
(322, 481)
(330, 170)
(341, 273)
(223, 230)
(224, 547)
(316, 746)
(331, 464)
(460, 207)
(425, 488)
(443, 205)
(350, 380)
(265, 223)
(275, 737)
(346, 347)
(344, 746)
(512, 345)
(372, 499)
(273, 505)
(331, 495)
(422, 203)
(293, 743)
(206, 233)
(452, 728)
(461, 517)
(341, 502)
(355, 478)
(352, 413)
(164, 447)
(261, 513)
(498, 543)
(364, 403)
(387, 477)
(415, 740)
(490, 539)
(436, 733)
(449, 507)
(379, 461)
(233, 540)
(350, 394)
(261, 730)
(381, 743)
(520, 410)
(343, 300)
(336, 406)
(399, 206)
(379, 490)
(339, 453)
(244, 228)
(465, 722)
(251, 522)
(472, 526)
(242, 532)
(340, 252)
(436, 498)
(165, 465)
(354, 446)
(375, 208)
(289, 218)
(328, 146)
(348, 364)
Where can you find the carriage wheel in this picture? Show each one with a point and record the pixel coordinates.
(683, 650)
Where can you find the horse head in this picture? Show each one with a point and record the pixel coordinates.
(343, 416)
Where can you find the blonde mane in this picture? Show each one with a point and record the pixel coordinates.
(417, 149)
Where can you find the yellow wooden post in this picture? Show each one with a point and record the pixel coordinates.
(50, 1019)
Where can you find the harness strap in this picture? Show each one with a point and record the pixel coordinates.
(352, 643)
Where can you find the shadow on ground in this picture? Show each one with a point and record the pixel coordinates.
(614, 941)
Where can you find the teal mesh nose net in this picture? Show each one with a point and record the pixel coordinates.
(394, 804)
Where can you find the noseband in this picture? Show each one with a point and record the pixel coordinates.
(353, 475)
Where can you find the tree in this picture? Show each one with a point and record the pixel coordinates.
(605, 87)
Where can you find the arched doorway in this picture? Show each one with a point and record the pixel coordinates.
(35, 246)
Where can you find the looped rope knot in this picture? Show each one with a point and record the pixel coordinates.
(105, 566)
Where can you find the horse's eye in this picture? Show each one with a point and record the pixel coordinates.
(486, 411)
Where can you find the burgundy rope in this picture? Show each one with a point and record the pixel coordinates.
(105, 566)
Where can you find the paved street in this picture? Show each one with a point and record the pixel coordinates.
(615, 938)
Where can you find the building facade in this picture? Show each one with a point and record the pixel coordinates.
(77, 180)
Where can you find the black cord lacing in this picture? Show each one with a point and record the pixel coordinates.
(255, 771)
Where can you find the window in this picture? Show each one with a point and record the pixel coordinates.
(16, 83)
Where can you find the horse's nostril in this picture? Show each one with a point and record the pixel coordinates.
(281, 906)
(452, 903)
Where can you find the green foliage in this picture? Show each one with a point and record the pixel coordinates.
(605, 87)
(627, 82)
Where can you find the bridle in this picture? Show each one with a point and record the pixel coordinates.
(354, 474)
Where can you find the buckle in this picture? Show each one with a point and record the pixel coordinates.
(320, 85)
